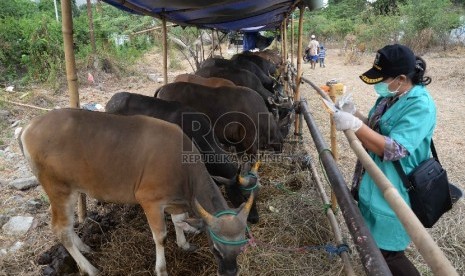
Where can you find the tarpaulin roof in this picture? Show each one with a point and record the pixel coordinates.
(227, 15)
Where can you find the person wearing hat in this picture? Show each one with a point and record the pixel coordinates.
(313, 47)
(399, 126)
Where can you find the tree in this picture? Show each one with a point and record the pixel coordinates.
(387, 7)
(438, 16)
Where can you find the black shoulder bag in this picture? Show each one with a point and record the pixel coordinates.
(428, 188)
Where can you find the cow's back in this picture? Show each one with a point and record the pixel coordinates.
(238, 76)
(243, 64)
(210, 81)
(108, 156)
(211, 100)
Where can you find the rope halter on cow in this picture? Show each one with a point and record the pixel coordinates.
(256, 184)
(223, 241)
(252, 174)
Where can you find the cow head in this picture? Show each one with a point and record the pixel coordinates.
(286, 118)
(226, 234)
(241, 187)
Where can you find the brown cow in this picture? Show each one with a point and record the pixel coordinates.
(211, 82)
(130, 159)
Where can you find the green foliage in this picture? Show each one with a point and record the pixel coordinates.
(376, 23)
(438, 16)
(31, 40)
(17, 8)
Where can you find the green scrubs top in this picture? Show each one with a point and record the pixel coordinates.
(410, 122)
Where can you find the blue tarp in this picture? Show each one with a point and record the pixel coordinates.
(227, 15)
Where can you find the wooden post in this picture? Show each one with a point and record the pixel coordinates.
(299, 64)
(219, 42)
(71, 76)
(284, 54)
(292, 39)
(332, 221)
(333, 138)
(213, 43)
(165, 52)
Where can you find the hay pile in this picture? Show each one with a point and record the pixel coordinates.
(291, 218)
(289, 238)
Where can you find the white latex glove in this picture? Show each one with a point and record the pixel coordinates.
(346, 103)
(344, 121)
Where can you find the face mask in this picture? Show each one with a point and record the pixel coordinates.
(382, 89)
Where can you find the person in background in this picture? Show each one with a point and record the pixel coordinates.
(321, 56)
(399, 126)
(313, 46)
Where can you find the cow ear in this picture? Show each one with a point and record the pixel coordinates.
(195, 222)
(224, 181)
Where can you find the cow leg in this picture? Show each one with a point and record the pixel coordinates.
(156, 218)
(180, 226)
(80, 244)
(62, 203)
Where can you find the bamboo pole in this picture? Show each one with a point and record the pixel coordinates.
(165, 51)
(213, 43)
(333, 138)
(292, 40)
(152, 29)
(299, 64)
(285, 40)
(219, 42)
(284, 54)
(26, 105)
(430, 251)
(332, 221)
(71, 76)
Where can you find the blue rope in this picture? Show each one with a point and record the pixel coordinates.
(329, 248)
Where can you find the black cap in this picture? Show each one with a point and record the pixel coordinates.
(390, 61)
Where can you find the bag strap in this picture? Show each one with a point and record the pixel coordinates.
(402, 174)
(433, 150)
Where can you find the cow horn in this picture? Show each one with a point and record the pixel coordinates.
(249, 203)
(255, 167)
(206, 216)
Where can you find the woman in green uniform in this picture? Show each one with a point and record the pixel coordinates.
(399, 127)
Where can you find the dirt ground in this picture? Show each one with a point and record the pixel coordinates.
(446, 70)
